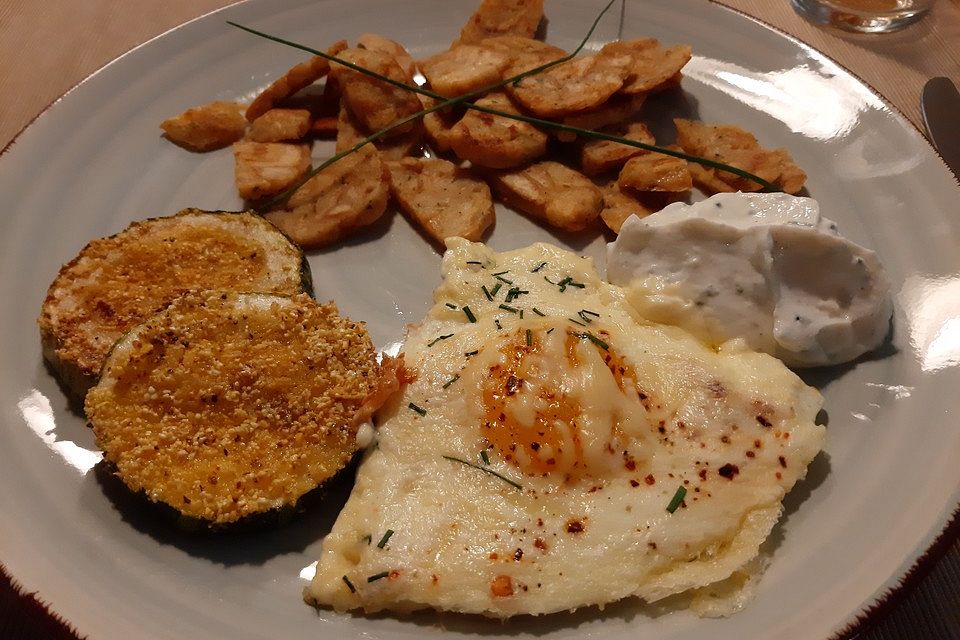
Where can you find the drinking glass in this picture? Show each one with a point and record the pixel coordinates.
(864, 16)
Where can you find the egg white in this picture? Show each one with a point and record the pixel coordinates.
(735, 429)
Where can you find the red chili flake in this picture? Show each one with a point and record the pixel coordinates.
(494, 556)
(630, 464)
(574, 526)
(783, 462)
(779, 476)
(703, 474)
(763, 421)
(393, 575)
(513, 385)
(725, 439)
(434, 579)
(539, 522)
(728, 471)
(751, 454)
(650, 479)
(757, 444)
(518, 555)
(652, 545)
(540, 544)
(501, 586)
(634, 483)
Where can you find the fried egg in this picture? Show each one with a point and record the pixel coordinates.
(557, 451)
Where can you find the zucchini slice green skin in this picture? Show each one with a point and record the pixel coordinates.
(228, 405)
(100, 294)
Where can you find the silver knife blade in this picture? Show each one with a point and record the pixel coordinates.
(940, 104)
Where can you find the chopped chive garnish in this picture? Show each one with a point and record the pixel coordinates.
(419, 410)
(497, 322)
(538, 267)
(594, 339)
(493, 292)
(529, 338)
(451, 381)
(452, 306)
(502, 279)
(550, 330)
(576, 322)
(469, 314)
(677, 499)
(378, 576)
(484, 456)
(438, 339)
(486, 293)
(521, 314)
(566, 282)
(367, 538)
(384, 539)
(549, 280)
(474, 262)
(515, 293)
(578, 285)
(538, 312)
(349, 584)
(471, 353)
(589, 313)
(485, 470)
(500, 273)
(510, 309)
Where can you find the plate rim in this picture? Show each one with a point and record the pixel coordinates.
(881, 606)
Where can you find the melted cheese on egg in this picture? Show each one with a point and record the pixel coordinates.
(529, 467)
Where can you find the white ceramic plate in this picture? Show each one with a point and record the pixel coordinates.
(873, 502)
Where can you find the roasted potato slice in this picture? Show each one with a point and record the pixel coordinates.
(616, 110)
(524, 53)
(576, 85)
(294, 80)
(551, 192)
(277, 125)
(464, 68)
(266, 168)
(438, 125)
(350, 132)
(443, 199)
(373, 102)
(493, 141)
(600, 156)
(734, 146)
(619, 203)
(207, 127)
(346, 196)
(655, 172)
(374, 42)
(502, 17)
(653, 66)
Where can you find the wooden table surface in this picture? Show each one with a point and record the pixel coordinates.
(49, 47)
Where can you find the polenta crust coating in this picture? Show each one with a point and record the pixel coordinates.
(225, 405)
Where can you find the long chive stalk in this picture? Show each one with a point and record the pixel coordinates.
(463, 100)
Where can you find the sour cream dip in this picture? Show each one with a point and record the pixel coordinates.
(765, 268)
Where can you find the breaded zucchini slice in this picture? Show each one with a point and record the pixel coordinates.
(115, 283)
(225, 405)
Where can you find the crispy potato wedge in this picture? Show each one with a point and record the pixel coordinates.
(294, 80)
(524, 53)
(600, 156)
(576, 85)
(502, 17)
(443, 199)
(706, 178)
(653, 67)
(207, 127)
(373, 102)
(374, 42)
(496, 142)
(616, 110)
(551, 192)
(655, 172)
(734, 146)
(464, 68)
(266, 168)
(346, 196)
(277, 125)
